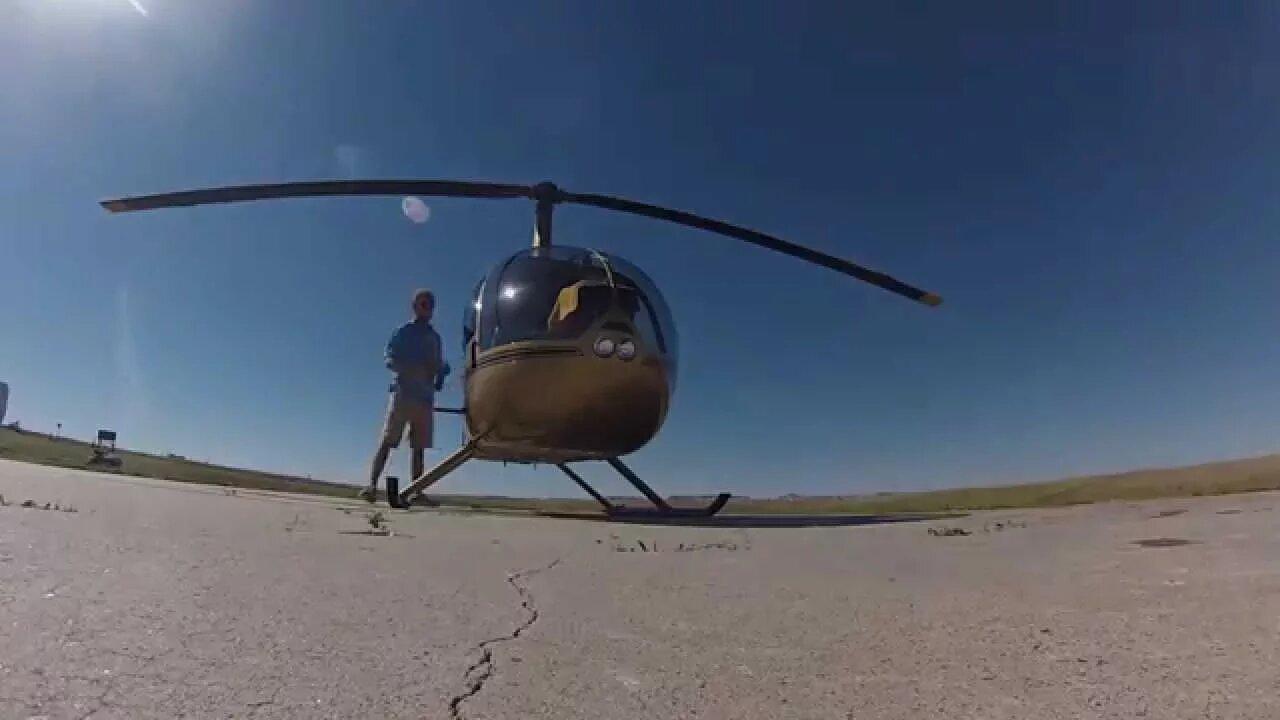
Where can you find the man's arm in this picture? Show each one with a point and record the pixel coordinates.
(442, 365)
(394, 355)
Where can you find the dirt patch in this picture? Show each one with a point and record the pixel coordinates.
(385, 533)
(33, 505)
(1002, 525)
(1163, 542)
(652, 546)
(1167, 513)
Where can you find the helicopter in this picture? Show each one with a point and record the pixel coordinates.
(570, 353)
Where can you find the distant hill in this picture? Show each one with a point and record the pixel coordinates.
(1215, 478)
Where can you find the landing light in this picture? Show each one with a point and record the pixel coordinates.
(604, 347)
(626, 349)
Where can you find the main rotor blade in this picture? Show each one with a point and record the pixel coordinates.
(757, 238)
(323, 188)
(544, 192)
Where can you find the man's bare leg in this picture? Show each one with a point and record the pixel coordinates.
(418, 462)
(419, 469)
(392, 432)
(370, 493)
(419, 440)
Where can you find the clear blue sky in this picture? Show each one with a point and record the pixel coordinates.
(1091, 186)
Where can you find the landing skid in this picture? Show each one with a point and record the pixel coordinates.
(661, 508)
(412, 494)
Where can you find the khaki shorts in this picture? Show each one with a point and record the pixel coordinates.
(418, 416)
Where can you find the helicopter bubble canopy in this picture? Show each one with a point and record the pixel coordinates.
(559, 292)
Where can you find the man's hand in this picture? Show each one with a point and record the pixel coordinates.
(440, 376)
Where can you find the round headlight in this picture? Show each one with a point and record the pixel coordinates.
(626, 349)
(604, 347)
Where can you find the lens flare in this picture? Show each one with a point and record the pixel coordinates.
(416, 210)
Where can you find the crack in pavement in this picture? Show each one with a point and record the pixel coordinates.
(103, 701)
(482, 669)
(257, 705)
(146, 661)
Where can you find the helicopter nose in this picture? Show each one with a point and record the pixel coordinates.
(575, 405)
(620, 418)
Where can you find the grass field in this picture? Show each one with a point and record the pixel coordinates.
(1219, 478)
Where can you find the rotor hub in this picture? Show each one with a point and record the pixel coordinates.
(547, 192)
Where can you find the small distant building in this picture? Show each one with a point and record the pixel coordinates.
(104, 450)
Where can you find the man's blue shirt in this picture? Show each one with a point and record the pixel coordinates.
(415, 348)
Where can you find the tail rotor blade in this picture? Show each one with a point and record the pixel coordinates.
(758, 238)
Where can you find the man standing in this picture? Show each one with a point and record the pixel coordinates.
(415, 357)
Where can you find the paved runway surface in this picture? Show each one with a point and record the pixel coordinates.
(158, 600)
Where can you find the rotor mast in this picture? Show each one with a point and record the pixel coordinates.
(546, 195)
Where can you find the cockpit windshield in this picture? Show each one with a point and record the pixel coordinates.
(557, 293)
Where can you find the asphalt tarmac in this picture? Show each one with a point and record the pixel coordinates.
(159, 600)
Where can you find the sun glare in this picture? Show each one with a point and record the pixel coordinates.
(135, 4)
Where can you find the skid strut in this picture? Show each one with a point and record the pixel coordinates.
(608, 506)
(660, 506)
(405, 498)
